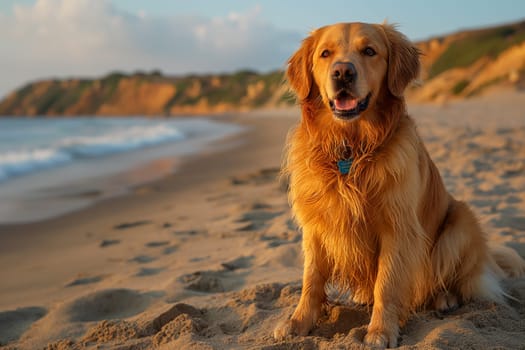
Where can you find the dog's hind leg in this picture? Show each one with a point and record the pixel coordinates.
(462, 266)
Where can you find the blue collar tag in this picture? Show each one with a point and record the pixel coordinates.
(344, 165)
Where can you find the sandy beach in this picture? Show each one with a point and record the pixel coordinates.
(210, 258)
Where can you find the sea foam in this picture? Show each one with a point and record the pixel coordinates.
(63, 143)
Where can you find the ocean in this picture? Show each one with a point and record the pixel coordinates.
(49, 166)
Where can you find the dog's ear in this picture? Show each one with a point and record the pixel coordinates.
(299, 72)
(403, 60)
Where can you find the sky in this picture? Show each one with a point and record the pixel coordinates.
(42, 39)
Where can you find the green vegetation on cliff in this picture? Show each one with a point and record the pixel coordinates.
(148, 93)
(474, 45)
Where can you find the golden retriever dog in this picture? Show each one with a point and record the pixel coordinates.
(374, 213)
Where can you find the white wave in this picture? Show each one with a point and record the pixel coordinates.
(99, 143)
(15, 163)
(124, 139)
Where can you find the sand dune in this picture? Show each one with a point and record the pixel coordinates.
(209, 258)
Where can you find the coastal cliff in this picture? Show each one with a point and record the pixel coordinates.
(148, 94)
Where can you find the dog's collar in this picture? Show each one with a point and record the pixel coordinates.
(345, 164)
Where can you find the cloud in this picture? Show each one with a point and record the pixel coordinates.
(85, 38)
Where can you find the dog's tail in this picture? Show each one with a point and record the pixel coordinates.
(503, 262)
(508, 261)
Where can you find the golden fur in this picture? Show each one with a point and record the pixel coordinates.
(388, 230)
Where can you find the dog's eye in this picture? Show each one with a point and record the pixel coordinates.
(325, 53)
(369, 51)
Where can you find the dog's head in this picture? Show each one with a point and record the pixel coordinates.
(352, 65)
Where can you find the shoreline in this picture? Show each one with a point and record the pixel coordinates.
(80, 183)
(195, 170)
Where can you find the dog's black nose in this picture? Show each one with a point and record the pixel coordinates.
(344, 72)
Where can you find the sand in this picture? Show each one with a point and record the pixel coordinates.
(209, 257)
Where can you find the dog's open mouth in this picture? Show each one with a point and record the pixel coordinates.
(345, 106)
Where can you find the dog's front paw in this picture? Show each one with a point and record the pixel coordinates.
(446, 302)
(291, 327)
(380, 339)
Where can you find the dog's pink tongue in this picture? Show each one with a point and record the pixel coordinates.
(345, 104)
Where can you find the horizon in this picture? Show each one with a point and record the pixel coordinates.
(67, 39)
